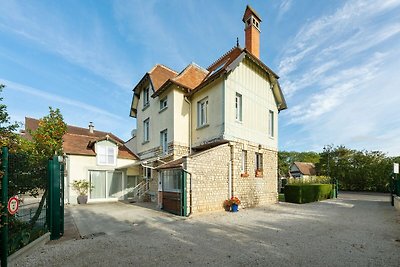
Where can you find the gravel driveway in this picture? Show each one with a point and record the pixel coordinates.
(353, 230)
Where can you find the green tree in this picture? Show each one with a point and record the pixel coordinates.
(47, 138)
(7, 129)
(46, 142)
(356, 170)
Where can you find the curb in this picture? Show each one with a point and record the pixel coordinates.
(23, 252)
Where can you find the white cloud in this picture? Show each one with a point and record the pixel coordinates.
(55, 98)
(339, 75)
(46, 28)
(284, 7)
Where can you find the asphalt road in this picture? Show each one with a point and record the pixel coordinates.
(353, 230)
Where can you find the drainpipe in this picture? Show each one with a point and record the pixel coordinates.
(184, 168)
(190, 124)
(190, 191)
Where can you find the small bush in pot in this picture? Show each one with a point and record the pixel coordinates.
(81, 187)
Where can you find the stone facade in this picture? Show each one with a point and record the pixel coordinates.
(210, 176)
(209, 171)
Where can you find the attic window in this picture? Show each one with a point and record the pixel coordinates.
(146, 98)
(248, 22)
(106, 155)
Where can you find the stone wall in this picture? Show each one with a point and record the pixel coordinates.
(209, 171)
(210, 176)
(252, 188)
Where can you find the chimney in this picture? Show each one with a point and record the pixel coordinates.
(91, 127)
(252, 31)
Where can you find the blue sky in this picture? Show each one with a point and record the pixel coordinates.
(339, 61)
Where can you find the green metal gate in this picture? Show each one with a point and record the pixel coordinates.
(174, 191)
(39, 189)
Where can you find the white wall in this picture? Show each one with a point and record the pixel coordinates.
(159, 121)
(257, 99)
(215, 119)
(78, 168)
(181, 119)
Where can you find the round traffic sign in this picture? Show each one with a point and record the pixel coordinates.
(13, 205)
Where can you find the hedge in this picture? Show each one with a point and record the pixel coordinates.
(305, 193)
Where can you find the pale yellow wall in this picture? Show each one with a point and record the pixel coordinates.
(257, 99)
(181, 119)
(215, 127)
(159, 121)
(78, 168)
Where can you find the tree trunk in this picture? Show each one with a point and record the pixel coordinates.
(32, 222)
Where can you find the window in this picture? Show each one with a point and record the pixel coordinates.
(238, 107)
(163, 103)
(259, 160)
(171, 180)
(243, 166)
(202, 112)
(146, 93)
(106, 184)
(106, 155)
(146, 130)
(271, 124)
(164, 141)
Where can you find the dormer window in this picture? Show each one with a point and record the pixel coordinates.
(106, 154)
(163, 103)
(146, 97)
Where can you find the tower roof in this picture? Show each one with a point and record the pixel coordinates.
(250, 11)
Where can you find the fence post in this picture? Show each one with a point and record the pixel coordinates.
(55, 199)
(4, 202)
(49, 195)
(61, 202)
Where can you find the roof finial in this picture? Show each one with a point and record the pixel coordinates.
(237, 41)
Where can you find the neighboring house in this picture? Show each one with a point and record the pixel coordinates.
(302, 170)
(206, 134)
(98, 157)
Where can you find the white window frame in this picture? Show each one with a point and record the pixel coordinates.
(202, 110)
(146, 97)
(258, 163)
(103, 154)
(146, 130)
(238, 107)
(164, 141)
(271, 123)
(243, 165)
(108, 175)
(163, 103)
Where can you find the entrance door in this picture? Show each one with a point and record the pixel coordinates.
(172, 184)
(106, 184)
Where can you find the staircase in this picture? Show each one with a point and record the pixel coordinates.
(138, 192)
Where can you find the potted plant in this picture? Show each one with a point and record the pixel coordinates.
(227, 205)
(235, 202)
(81, 187)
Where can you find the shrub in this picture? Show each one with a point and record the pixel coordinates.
(305, 193)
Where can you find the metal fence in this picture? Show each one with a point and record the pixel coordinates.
(38, 186)
(28, 182)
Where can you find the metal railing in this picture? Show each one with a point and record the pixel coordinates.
(137, 192)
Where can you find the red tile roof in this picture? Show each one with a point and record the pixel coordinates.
(193, 78)
(160, 74)
(76, 140)
(189, 79)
